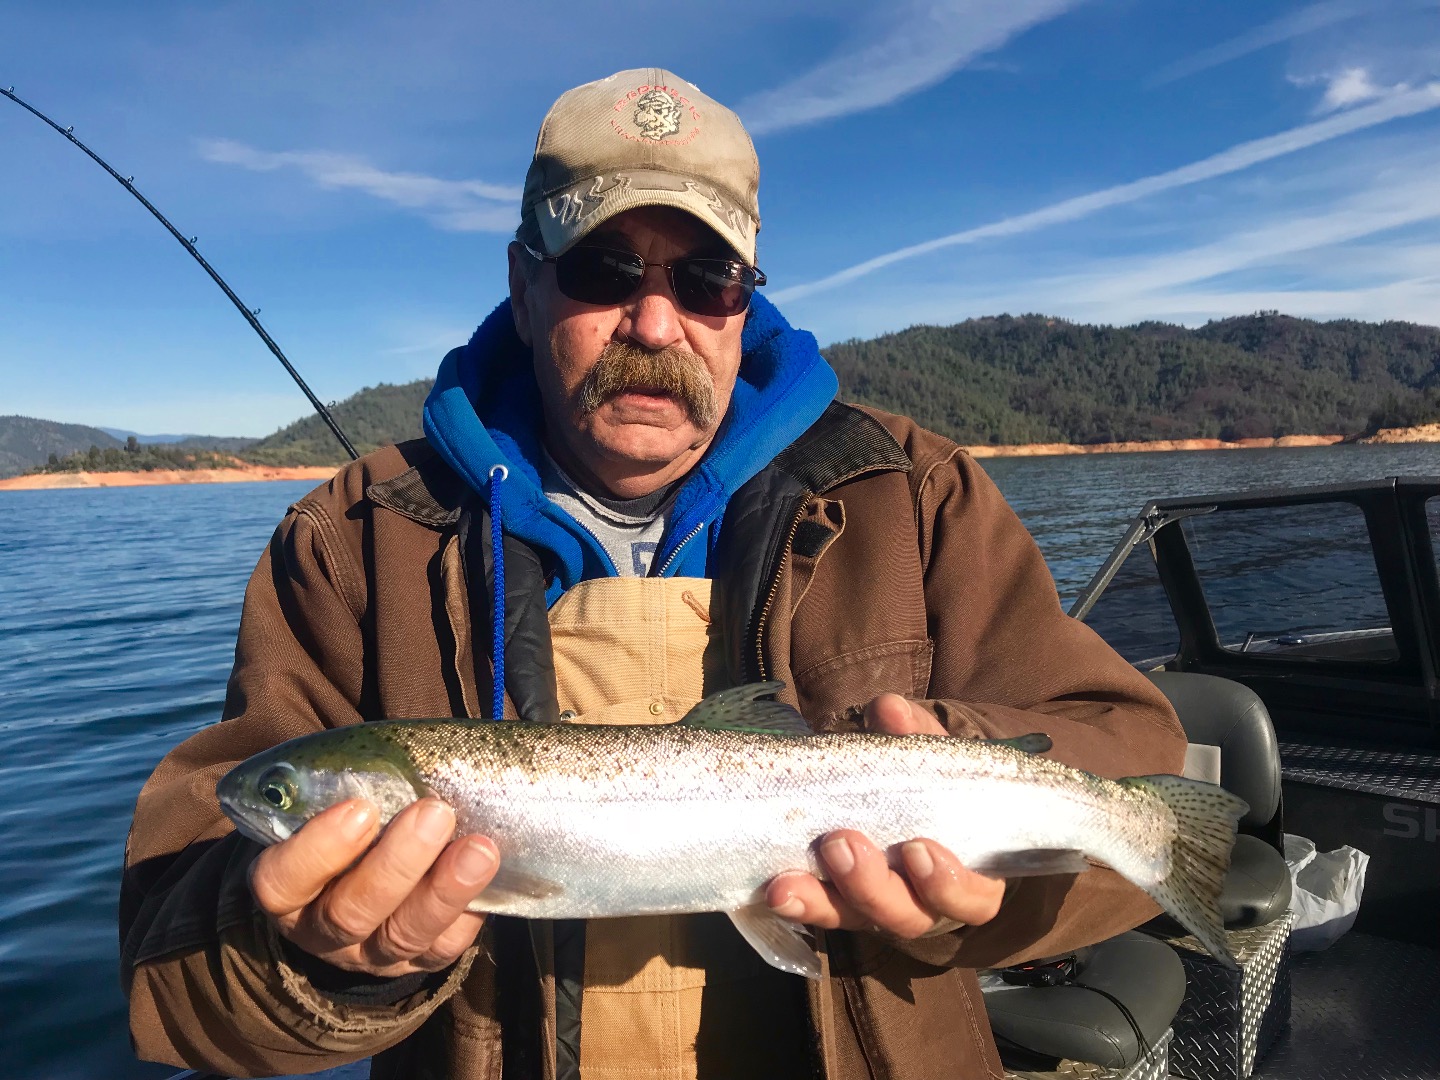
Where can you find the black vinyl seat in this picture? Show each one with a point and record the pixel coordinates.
(1222, 713)
(1036, 1026)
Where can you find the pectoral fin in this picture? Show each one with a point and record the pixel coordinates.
(1032, 863)
(1037, 742)
(779, 941)
(512, 888)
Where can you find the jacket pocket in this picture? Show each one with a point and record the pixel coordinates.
(834, 692)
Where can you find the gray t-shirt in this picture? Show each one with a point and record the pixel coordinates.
(628, 529)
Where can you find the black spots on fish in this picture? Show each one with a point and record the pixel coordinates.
(1205, 817)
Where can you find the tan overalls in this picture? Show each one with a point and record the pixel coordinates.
(642, 650)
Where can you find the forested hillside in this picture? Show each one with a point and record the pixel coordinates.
(1007, 380)
(1010, 380)
(376, 415)
(26, 442)
(136, 456)
(1002, 380)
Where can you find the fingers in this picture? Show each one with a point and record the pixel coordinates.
(431, 926)
(891, 714)
(288, 875)
(876, 894)
(357, 902)
(943, 886)
(865, 893)
(400, 908)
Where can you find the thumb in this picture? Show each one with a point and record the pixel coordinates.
(891, 714)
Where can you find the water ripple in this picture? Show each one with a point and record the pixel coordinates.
(118, 610)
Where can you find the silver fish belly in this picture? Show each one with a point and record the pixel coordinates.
(594, 822)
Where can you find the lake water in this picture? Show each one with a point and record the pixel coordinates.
(118, 610)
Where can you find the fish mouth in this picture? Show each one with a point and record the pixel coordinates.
(262, 827)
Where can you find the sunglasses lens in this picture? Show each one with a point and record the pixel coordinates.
(714, 287)
(597, 275)
(710, 287)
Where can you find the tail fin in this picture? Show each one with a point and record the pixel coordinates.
(1205, 820)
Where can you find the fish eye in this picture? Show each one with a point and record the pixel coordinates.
(277, 787)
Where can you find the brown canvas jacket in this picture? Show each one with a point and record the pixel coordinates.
(874, 556)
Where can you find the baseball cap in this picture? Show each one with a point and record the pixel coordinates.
(643, 137)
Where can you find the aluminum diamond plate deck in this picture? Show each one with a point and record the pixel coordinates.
(1230, 1019)
(1399, 774)
(1365, 1009)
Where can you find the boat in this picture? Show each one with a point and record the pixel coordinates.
(1316, 609)
(1311, 614)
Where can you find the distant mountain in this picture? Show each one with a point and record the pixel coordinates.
(145, 440)
(1034, 379)
(26, 442)
(1008, 380)
(371, 418)
(225, 444)
(1000, 380)
(1023, 379)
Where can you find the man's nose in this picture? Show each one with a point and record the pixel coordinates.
(652, 315)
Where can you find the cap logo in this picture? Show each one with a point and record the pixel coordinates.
(655, 114)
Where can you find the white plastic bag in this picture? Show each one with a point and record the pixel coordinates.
(1325, 892)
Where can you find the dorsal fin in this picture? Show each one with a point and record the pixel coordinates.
(1037, 742)
(739, 709)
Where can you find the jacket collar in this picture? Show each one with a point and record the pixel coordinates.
(843, 444)
(429, 492)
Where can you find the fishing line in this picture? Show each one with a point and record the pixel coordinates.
(127, 182)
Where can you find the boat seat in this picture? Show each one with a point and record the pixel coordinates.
(1230, 717)
(1036, 1026)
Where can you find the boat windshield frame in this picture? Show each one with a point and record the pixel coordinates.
(1399, 693)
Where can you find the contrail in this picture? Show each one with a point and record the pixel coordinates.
(1403, 103)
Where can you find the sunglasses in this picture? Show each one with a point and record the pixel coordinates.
(715, 288)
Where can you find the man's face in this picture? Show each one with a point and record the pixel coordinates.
(631, 437)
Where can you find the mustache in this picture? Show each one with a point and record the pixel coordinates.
(624, 366)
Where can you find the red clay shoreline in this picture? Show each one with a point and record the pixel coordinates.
(1154, 446)
(1425, 433)
(237, 474)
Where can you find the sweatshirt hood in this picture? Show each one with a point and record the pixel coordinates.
(484, 410)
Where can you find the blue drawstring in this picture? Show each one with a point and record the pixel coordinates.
(497, 546)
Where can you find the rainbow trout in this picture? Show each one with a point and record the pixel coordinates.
(595, 821)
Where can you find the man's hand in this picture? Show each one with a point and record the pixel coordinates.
(399, 910)
(863, 892)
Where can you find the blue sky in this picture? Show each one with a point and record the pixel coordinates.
(354, 170)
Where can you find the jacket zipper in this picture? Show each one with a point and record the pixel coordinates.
(674, 553)
(774, 588)
(590, 533)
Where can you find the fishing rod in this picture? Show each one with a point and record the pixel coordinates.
(128, 183)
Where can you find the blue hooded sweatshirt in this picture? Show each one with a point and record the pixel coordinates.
(484, 410)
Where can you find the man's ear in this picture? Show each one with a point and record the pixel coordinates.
(521, 296)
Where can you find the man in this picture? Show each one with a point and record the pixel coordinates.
(683, 507)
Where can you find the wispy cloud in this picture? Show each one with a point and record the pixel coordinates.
(1305, 21)
(1304, 243)
(1365, 244)
(456, 205)
(1347, 87)
(919, 45)
(1405, 103)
